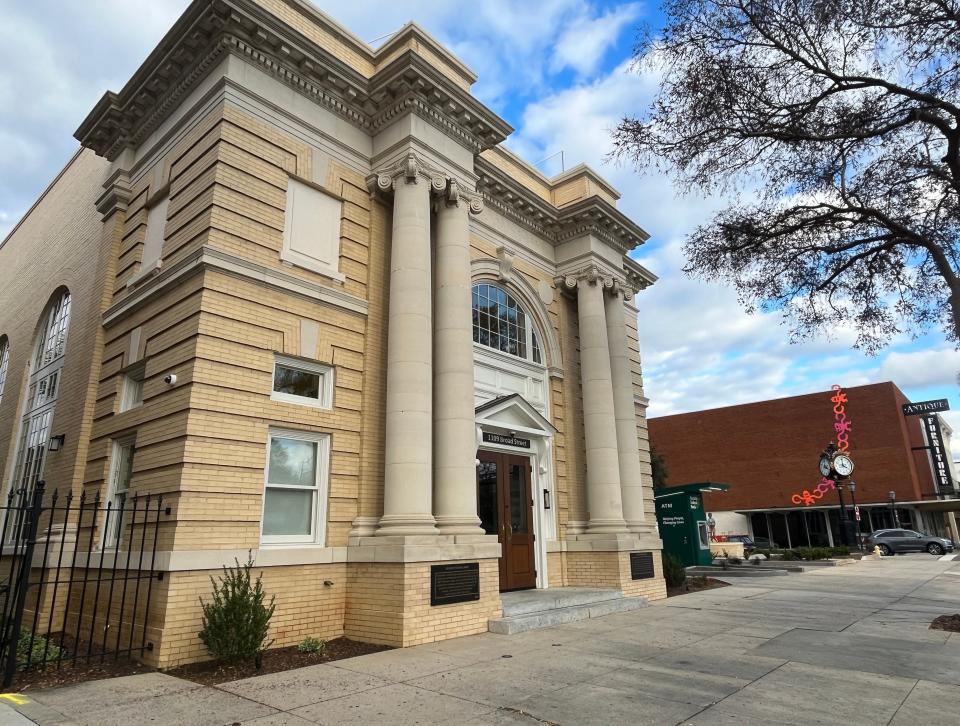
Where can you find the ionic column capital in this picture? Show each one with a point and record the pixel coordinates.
(591, 275)
(414, 169)
(455, 195)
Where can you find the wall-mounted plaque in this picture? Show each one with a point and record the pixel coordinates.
(454, 583)
(641, 565)
(505, 440)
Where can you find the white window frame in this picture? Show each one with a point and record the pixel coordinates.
(321, 491)
(111, 538)
(40, 397)
(532, 339)
(325, 373)
(131, 393)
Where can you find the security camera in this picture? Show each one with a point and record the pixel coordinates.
(170, 380)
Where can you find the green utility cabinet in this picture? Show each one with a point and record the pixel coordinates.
(683, 522)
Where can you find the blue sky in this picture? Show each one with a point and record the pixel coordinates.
(557, 70)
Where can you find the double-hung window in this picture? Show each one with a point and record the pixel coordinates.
(295, 495)
(121, 474)
(303, 382)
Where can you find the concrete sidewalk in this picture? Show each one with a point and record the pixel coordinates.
(845, 645)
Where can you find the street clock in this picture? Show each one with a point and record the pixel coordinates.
(843, 465)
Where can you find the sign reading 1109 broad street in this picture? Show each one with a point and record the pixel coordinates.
(922, 407)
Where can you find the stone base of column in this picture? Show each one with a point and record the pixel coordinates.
(406, 524)
(606, 526)
(642, 527)
(389, 588)
(459, 525)
(364, 526)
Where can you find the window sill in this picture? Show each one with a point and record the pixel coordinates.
(291, 259)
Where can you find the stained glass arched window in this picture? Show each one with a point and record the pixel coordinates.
(499, 322)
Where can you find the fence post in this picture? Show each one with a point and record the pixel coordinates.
(23, 582)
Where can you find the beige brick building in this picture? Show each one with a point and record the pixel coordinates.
(298, 287)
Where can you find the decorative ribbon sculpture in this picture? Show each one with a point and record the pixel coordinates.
(842, 426)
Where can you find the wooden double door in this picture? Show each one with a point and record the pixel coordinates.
(505, 507)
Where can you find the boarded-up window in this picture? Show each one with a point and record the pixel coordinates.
(311, 235)
(153, 242)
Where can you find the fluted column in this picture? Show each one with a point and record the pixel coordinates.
(407, 485)
(599, 418)
(631, 486)
(454, 427)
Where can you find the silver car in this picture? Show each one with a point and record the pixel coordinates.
(898, 541)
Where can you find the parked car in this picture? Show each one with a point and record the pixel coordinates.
(898, 541)
(763, 543)
(746, 539)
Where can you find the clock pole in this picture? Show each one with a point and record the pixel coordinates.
(841, 467)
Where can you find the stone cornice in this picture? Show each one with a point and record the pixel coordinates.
(209, 30)
(594, 215)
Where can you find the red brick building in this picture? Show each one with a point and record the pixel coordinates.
(768, 453)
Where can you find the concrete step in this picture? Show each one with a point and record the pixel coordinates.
(522, 602)
(530, 613)
(722, 574)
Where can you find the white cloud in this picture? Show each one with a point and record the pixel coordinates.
(586, 39)
(922, 368)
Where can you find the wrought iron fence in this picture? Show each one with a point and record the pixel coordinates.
(76, 578)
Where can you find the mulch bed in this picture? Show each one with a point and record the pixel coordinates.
(695, 584)
(946, 622)
(210, 673)
(76, 672)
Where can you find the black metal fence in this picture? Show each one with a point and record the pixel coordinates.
(76, 578)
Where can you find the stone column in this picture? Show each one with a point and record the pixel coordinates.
(408, 463)
(631, 486)
(599, 417)
(454, 426)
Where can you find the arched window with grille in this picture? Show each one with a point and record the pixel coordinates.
(4, 363)
(43, 388)
(501, 323)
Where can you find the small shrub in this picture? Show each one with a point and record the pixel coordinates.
(236, 621)
(789, 555)
(673, 571)
(312, 645)
(36, 654)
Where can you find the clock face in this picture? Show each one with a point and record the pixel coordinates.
(843, 465)
(825, 466)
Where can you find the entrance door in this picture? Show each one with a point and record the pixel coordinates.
(505, 507)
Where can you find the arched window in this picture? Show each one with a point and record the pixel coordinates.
(4, 363)
(43, 388)
(500, 322)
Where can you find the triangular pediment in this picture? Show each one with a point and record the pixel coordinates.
(514, 412)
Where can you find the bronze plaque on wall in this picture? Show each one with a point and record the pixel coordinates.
(454, 583)
(641, 565)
